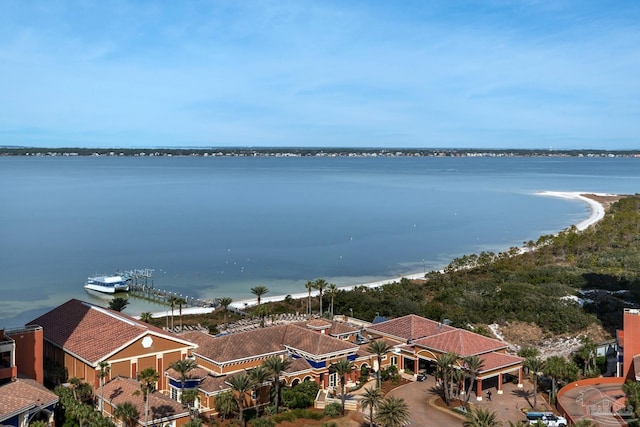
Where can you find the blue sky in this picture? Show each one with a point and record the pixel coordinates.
(450, 73)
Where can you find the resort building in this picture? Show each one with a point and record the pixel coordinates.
(419, 342)
(81, 339)
(161, 409)
(310, 345)
(629, 345)
(23, 397)
(78, 336)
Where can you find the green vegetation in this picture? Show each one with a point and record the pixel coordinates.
(602, 262)
(301, 395)
(118, 303)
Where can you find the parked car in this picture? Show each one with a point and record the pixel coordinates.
(547, 418)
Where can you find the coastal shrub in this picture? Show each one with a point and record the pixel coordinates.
(263, 422)
(333, 409)
(307, 414)
(301, 395)
(284, 416)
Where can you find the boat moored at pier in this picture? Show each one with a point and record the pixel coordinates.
(108, 284)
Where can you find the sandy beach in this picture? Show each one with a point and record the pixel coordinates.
(597, 203)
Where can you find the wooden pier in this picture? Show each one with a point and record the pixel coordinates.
(141, 286)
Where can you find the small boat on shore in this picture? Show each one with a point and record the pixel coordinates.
(108, 284)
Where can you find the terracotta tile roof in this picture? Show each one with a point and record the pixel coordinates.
(491, 361)
(410, 327)
(265, 342)
(319, 324)
(335, 328)
(315, 343)
(197, 373)
(239, 345)
(298, 365)
(120, 390)
(92, 332)
(461, 342)
(23, 394)
(212, 384)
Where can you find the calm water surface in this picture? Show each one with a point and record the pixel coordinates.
(213, 227)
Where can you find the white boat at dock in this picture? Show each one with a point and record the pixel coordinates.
(108, 284)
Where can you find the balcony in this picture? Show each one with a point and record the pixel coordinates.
(7, 373)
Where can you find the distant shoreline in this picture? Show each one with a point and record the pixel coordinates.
(307, 152)
(597, 202)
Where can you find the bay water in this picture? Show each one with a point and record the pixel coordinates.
(212, 227)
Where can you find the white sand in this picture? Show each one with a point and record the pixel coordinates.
(597, 213)
(597, 209)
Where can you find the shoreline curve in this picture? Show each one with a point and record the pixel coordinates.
(597, 212)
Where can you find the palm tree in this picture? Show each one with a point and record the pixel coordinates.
(188, 397)
(258, 291)
(103, 373)
(320, 284)
(258, 375)
(342, 367)
(276, 365)
(309, 286)
(631, 390)
(146, 317)
(473, 365)
(535, 366)
(242, 384)
(225, 302)
(393, 412)
(479, 417)
(371, 398)
(118, 303)
(226, 404)
(172, 303)
(379, 348)
(180, 302)
(332, 291)
(445, 370)
(127, 413)
(556, 368)
(148, 378)
(183, 367)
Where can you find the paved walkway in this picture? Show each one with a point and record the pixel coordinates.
(421, 397)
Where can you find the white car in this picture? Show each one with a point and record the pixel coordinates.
(546, 418)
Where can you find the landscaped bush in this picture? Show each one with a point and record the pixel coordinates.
(308, 414)
(285, 416)
(263, 422)
(300, 396)
(333, 409)
(329, 424)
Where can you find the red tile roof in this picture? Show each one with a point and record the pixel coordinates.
(491, 361)
(196, 373)
(298, 365)
(461, 342)
(409, 327)
(334, 328)
(23, 394)
(265, 342)
(92, 333)
(213, 385)
(120, 390)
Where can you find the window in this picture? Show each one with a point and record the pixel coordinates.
(394, 360)
(174, 393)
(333, 379)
